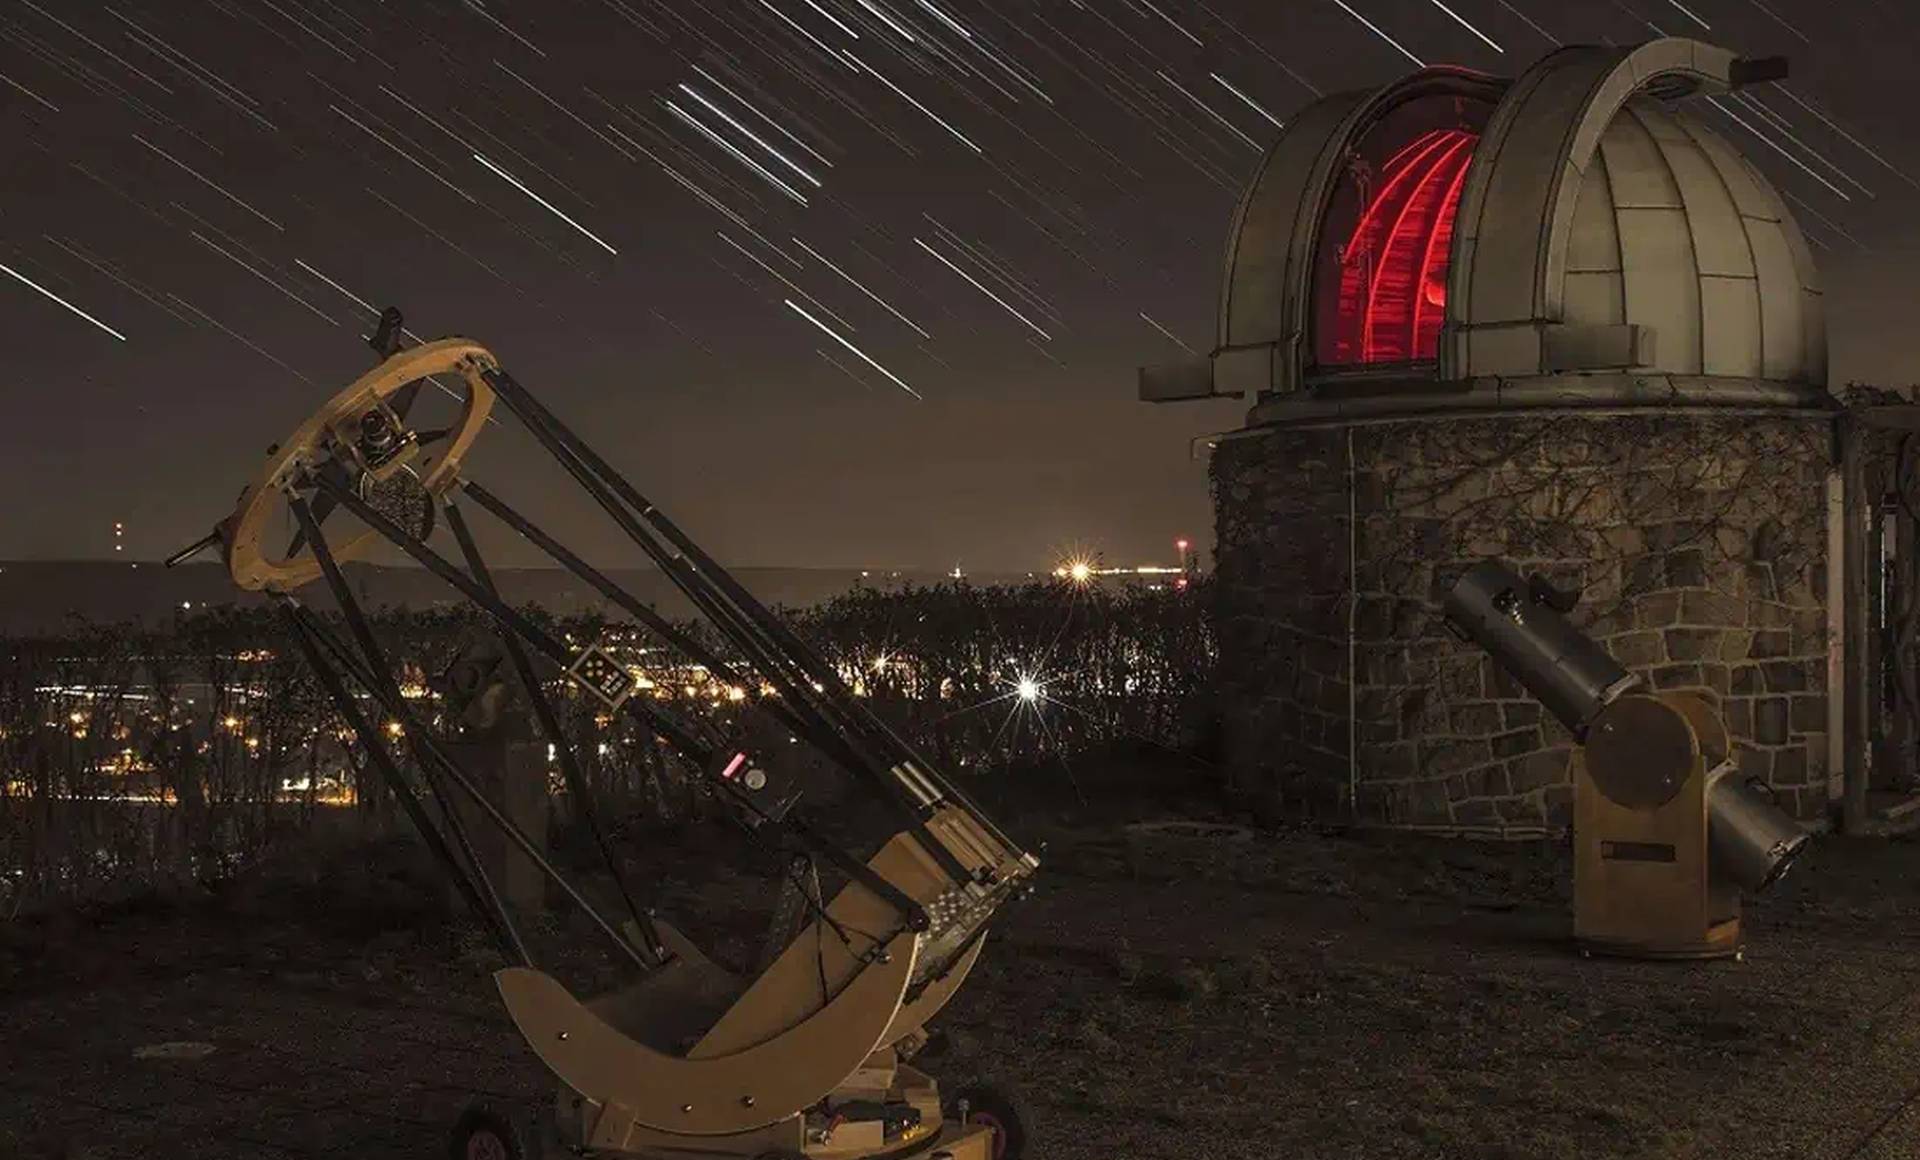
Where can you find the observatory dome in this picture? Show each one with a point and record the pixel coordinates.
(1571, 236)
(1554, 320)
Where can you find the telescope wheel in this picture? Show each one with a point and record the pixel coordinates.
(986, 1107)
(385, 461)
(481, 1133)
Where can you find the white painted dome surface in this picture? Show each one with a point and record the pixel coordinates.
(1676, 232)
(1602, 230)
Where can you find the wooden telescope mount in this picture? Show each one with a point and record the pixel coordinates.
(1643, 886)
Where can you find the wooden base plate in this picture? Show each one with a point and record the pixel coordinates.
(1722, 941)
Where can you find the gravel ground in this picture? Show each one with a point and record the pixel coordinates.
(1300, 995)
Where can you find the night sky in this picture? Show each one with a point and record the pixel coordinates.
(660, 213)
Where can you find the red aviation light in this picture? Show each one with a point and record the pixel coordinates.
(1393, 266)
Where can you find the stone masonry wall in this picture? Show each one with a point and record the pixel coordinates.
(1281, 584)
(1699, 541)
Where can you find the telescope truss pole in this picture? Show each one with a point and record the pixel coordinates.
(683, 740)
(823, 733)
(658, 624)
(384, 689)
(433, 758)
(562, 747)
(711, 587)
(794, 710)
(816, 719)
(914, 772)
(786, 715)
(299, 626)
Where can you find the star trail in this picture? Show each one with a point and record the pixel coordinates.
(691, 224)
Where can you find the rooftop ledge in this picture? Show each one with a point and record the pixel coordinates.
(1415, 397)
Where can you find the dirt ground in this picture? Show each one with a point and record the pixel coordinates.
(1303, 995)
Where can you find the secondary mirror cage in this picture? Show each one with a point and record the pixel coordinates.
(359, 454)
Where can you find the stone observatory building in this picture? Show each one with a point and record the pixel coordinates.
(1555, 319)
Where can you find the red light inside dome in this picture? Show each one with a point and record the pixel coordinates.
(1392, 291)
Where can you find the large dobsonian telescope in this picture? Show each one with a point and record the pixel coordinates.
(805, 1056)
(1668, 835)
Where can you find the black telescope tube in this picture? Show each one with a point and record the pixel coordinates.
(1570, 674)
(1752, 840)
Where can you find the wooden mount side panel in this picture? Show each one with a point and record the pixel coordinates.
(916, 1014)
(717, 1095)
(821, 958)
(818, 962)
(1642, 876)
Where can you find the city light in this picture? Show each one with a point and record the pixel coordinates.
(1035, 695)
(1083, 572)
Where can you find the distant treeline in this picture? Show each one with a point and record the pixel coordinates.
(137, 756)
